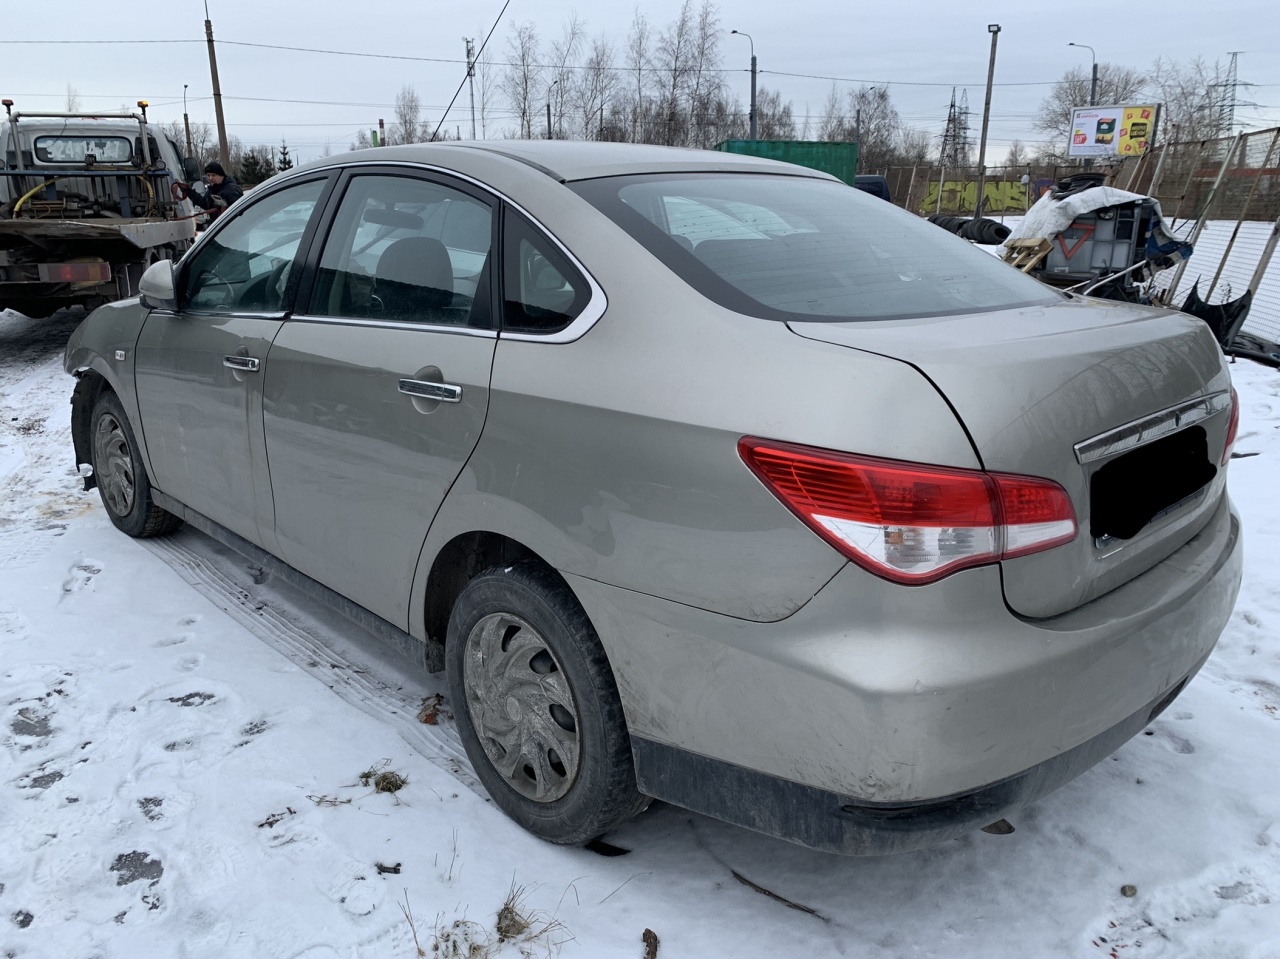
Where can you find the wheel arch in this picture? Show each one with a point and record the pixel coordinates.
(90, 385)
(458, 562)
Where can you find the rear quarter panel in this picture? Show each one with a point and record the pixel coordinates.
(614, 457)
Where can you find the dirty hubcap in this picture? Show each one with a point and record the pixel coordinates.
(522, 707)
(113, 465)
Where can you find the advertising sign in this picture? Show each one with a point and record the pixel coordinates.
(1119, 131)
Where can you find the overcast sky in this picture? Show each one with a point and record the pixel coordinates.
(920, 48)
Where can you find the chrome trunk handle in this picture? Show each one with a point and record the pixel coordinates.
(443, 392)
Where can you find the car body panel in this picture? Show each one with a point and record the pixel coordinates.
(1029, 384)
(203, 420)
(357, 466)
(895, 709)
(106, 346)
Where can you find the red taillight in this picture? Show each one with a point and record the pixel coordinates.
(1233, 427)
(909, 522)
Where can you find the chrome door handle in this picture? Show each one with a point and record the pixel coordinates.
(444, 392)
(249, 363)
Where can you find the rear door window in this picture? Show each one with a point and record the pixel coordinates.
(406, 249)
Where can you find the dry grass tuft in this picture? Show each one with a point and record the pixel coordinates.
(382, 779)
(512, 924)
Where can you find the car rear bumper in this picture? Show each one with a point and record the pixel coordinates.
(883, 718)
(832, 822)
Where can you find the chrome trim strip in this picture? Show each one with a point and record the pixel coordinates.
(396, 325)
(444, 392)
(1150, 428)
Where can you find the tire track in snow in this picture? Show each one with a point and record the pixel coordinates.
(310, 653)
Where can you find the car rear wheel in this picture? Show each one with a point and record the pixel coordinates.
(121, 478)
(537, 707)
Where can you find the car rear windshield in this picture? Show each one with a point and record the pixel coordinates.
(801, 248)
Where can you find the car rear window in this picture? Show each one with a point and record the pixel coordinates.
(800, 248)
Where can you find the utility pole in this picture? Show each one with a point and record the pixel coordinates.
(471, 81)
(994, 30)
(186, 121)
(224, 152)
(753, 116)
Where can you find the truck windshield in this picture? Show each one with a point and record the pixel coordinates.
(73, 149)
(801, 248)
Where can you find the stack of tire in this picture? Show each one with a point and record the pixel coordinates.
(977, 229)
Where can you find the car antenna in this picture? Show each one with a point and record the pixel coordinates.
(467, 72)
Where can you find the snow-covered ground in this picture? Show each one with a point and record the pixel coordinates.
(183, 741)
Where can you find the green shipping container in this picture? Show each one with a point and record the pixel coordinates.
(838, 159)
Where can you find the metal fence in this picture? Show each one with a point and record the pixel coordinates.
(1229, 178)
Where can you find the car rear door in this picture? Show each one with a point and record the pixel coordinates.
(376, 390)
(199, 369)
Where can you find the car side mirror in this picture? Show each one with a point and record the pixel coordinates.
(190, 169)
(156, 286)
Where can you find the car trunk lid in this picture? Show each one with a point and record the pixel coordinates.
(1031, 385)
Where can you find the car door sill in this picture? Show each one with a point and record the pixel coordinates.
(429, 654)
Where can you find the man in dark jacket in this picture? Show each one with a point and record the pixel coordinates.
(221, 190)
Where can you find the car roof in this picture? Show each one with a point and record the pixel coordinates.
(568, 160)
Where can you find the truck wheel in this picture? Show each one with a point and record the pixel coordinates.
(121, 478)
(537, 707)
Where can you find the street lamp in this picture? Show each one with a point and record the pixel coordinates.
(994, 30)
(752, 115)
(186, 120)
(549, 89)
(1093, 84)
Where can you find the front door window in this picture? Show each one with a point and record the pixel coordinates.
(245, 266)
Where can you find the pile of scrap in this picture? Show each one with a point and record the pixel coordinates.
(1084, 234)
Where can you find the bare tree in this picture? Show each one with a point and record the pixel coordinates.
(363, 140)
(1018, 155)
(1192, 94)
(408, 126)
(561, 79)
(705, 83)
(876, 126)
(640, 56)
(774, 119)
(204, 144)
(521, 82)
(73, 100)
(833, 123)
(596, 88)
(915, 145)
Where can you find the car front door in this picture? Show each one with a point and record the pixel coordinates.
(199, 369)
(376, 390)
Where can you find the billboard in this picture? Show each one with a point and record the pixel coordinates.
(1118, 131)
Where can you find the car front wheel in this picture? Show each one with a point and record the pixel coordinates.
(121, 478)
(537, 706)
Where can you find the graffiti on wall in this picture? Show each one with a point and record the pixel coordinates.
(961, 196)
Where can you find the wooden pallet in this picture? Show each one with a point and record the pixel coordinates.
(1026, 253)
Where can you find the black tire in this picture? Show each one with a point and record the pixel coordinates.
(121, 478)
(527, 615)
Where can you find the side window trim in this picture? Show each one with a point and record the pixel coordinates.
(301, 256)
(596, 303)
(309, 274)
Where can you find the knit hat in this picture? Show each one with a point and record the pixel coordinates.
(213, 166)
